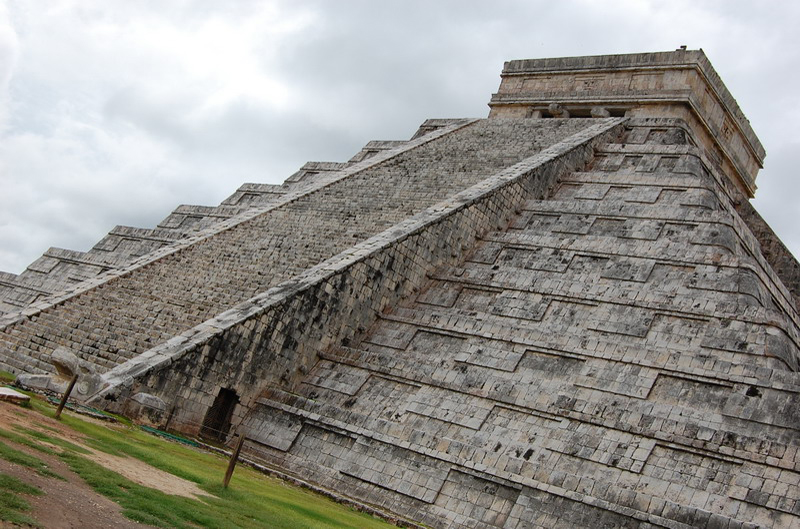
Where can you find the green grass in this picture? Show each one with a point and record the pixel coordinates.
(57, 441)
(252, 499)
(12, 507)
(25, 441)
(233, 508)
(21, 458)
(6, 377)
(128, 441)
(140, 503)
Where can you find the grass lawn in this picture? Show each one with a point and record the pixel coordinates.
(12, 506)
(252, 499)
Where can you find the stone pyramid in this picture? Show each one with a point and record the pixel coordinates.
(565, 315)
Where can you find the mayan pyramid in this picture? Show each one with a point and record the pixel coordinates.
(565, 315)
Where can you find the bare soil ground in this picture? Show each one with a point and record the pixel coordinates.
(72, 503)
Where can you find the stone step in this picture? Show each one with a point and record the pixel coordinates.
(374, 147)
(252, 194)
(311, 170)
(425, 425)
(186, 218)
(665, 180)
(127, 242)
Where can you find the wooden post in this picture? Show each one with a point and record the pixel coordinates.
(66, 396)
(232, 462)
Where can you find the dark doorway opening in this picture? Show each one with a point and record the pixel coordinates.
(218, 418)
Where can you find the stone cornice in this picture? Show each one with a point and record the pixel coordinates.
(638, 84)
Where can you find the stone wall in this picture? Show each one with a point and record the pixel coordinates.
(619, 353)
(772, 248)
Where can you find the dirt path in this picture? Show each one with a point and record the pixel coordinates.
(72, 503)
(144, 474)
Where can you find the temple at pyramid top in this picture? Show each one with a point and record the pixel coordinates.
(680, 84)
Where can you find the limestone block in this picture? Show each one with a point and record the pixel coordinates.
(150, 401)
(42, 383)
(9, 395)
(65, 362)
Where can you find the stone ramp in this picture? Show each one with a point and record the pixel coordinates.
(58, 270)
(617, 354)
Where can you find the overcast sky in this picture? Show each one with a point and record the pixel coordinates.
(116, 112)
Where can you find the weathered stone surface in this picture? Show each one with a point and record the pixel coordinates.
(512, 322)
(680, 84)
(42, 382)
(150, 401)
(65, 362)
(608, 376)
(10, 395)
(174, 292)
(147, 408)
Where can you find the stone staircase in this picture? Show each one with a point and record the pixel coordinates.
(159, 297)
(58, 269)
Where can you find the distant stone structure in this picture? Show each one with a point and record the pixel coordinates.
(565, 315)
